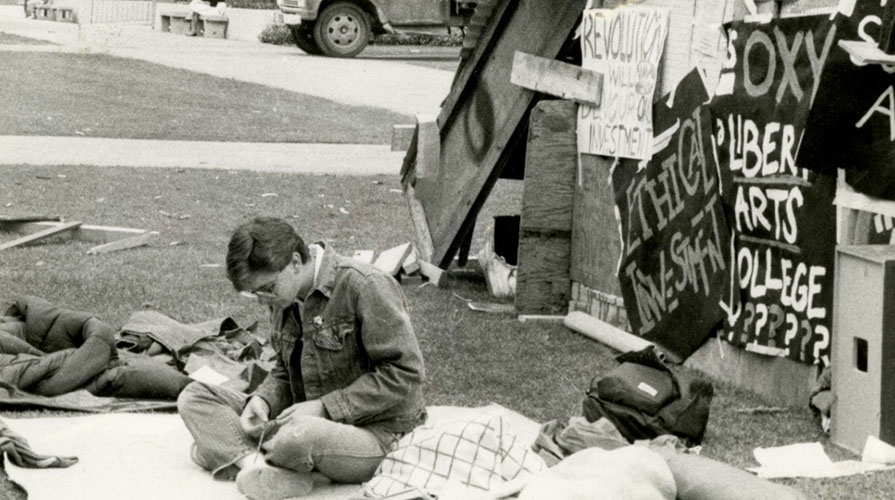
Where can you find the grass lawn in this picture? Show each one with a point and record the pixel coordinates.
(540, 370)
(103, 96)
(9, 39)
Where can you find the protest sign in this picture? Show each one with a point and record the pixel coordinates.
(625, 45)
(853, 118)
(674, 266)
(781, 213)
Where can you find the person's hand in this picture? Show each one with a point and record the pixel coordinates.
(254, 416)
(312, 408)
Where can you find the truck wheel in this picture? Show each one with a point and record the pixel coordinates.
(303, 34)
(342, 30)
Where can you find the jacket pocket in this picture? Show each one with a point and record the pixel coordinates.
(333, 336)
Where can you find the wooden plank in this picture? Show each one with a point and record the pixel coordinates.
(124, 243)
(596, 246)
(866, 52)
(543, 285)
(412, 262)
(488, 19)
(86, 232)
(391, 260)
(551, 165)
(420, 224)
(557, 78)
(364, 256)
(40, 235)
(402, 135)
(525, 318)
(492, 307)
(428, 146)
(481, 115)
(434, 274)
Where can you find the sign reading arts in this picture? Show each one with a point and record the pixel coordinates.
(625, 45)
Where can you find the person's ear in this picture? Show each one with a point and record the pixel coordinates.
(296, 260)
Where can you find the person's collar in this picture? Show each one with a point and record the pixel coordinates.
(324, 269)
(317, 249)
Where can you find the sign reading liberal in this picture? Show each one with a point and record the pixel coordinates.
(853, 118)
(674, 267)
(625, 45)
(781, 213)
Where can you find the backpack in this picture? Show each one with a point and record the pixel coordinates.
(644, 399)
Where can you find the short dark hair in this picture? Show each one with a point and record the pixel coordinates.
(262, 245)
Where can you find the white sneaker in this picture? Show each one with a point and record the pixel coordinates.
(265, 482)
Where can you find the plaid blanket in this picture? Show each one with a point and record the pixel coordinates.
(480, 453)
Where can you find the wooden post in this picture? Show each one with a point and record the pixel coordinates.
(543, 284)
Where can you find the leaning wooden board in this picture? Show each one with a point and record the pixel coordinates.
(481, 117)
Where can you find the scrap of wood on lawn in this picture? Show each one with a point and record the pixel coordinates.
(432, 272)
(41, 235)
(364, 256)
(391, 260)
(109, 238)
(124, 243)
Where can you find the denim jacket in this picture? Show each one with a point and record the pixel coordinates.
(352, 346)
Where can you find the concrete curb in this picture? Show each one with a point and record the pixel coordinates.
(320, 159)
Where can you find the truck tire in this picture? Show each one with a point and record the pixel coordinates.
(342, 30)
(303, 34)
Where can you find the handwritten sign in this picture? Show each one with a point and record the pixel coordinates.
(781, 213)
(674, 267)
(853, 118)
(625, 45)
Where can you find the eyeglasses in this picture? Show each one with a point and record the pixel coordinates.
(264, 293)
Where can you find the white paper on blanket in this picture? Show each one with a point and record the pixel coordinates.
(806, 460)
(209, 376)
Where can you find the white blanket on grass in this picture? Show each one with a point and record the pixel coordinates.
(147, 456)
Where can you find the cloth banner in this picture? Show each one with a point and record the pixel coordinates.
(781, 213)
(675, 260)
(853, 117)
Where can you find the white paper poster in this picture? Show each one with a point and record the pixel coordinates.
(625, 45)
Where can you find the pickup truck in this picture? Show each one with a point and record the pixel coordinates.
(342, 28)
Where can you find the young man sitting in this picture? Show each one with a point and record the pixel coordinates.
(348, 377)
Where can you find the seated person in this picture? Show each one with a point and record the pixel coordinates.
(348, 378)
(204, 7)
(48, 351)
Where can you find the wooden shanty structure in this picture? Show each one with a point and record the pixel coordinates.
(516, 102)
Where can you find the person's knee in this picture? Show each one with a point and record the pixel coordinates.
(297, 441)
(193, 395)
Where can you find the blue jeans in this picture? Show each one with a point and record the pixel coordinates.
(343, 453)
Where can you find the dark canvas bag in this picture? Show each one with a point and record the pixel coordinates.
(644, 399)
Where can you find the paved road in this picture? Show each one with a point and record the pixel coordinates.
(394, 78)
(376, 82)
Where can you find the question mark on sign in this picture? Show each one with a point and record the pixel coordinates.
(777, 314)
(806, 338)
(824, 342)
(747, 322)
(761, 314)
